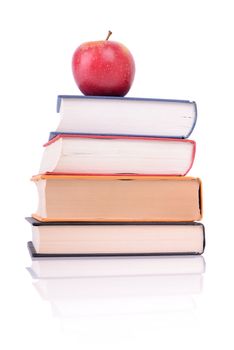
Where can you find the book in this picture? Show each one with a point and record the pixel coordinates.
(118, 198)
(93, 239)
(93, 267)
(117, 154)
(85, 239)
(126, 116)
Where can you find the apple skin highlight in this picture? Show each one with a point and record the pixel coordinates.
(103, 68)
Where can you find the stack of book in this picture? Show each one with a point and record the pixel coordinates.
(112, 180)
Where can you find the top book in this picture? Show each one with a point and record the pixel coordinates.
(126, 116)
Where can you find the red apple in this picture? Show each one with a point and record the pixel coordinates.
(103, 68)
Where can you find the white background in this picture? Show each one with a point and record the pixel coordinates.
(182, 50)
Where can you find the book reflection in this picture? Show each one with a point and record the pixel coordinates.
(101, 287)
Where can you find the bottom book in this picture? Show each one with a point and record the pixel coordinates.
(70, 239)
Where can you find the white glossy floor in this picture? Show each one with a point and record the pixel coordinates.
(171, 302)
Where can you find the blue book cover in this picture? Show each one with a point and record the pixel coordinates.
(130, 116)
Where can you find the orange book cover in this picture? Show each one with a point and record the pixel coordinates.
(118, 198)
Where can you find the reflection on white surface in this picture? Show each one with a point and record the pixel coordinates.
(155, 287)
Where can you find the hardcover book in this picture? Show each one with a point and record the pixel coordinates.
(117, 238)
(117, 154)
(126, 116)
(118, 198)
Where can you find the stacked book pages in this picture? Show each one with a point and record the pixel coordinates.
(112, 180)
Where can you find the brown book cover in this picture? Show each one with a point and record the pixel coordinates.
(118, 198)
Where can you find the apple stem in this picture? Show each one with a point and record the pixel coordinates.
(109, 34)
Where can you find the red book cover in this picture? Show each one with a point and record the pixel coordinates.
(145, 157)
